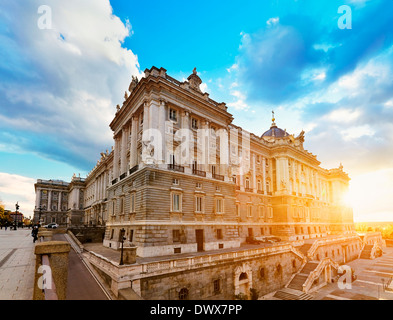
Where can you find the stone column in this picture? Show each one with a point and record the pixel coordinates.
(254, 174)
(49, 200)
(38, 198)
(134, 137)
(206, 146)
(116, 159)
(59, 202)
(264, 174)
(161, 128)
(123, 155)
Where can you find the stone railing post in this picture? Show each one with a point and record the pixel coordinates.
(57, 252)
(129, 255)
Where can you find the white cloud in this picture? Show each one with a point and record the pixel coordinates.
(15, 188)
(272, 21)
(343, 115)
(357, 132)
(77, 74)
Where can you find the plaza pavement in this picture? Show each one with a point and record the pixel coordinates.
(17, 264)
(17, 267)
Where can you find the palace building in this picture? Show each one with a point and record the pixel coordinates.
(183, 178)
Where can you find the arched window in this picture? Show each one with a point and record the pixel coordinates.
(183, 294)
(243, 276)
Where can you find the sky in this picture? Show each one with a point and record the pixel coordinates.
(65, 66)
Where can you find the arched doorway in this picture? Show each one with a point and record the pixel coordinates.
(243, 280)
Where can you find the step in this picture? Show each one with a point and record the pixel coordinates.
(297, 282)
(309, 267)
(290, 294)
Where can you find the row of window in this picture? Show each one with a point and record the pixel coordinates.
(263, 211)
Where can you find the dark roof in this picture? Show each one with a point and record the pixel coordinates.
(275, 132)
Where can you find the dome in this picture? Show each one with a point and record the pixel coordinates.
(274, 131)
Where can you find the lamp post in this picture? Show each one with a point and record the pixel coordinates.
(16, 215)
(122, 232)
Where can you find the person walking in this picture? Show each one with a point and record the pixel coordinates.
(34, 234)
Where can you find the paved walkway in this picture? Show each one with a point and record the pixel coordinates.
(17, 267)
(17, 264)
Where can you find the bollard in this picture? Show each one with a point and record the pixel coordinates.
(57, 252)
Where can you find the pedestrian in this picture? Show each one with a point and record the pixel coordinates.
(34, 234)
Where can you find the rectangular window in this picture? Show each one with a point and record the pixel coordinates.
(176, 235)
(249, 211)
(270, 213)
(198, 204)
(176, 202)
(194, 123)
(121, 205)
(172, 114)
(219, 206)
(262, 212)
(219, 233)
(132, 202)
(238, 210)
(216, 286)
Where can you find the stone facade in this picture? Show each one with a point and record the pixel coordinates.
(182, 177)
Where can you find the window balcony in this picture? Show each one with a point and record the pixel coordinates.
(133, 169)
(114, 181)
(218, 177)
(123, 175)
(199, 173)
(175, 167)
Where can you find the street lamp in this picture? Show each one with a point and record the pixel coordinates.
(122, 238)
(16, 214)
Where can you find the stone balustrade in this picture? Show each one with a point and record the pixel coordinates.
(51, 270)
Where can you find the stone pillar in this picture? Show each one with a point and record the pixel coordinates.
(116, 159)
(254, 174)
(59, 202)
(123, 154)
(161, 128)
(134, 137)
(206, 146)
(38, 198)
(129, 254)
(57, 252)
(49, 200)
(264, 174)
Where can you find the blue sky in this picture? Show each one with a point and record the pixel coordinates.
(59, 87)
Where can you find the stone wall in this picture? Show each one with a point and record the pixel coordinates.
(88, 234)
(265, 274)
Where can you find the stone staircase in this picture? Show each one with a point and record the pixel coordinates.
(290, 294)
(300, 278)
(366, 252)
(304, 248)
(294, 290)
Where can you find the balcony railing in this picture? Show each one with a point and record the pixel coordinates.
(218, 177)
(199, 173)
(260, 191)
(248, 189)
(133, 169)
(175, 167)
